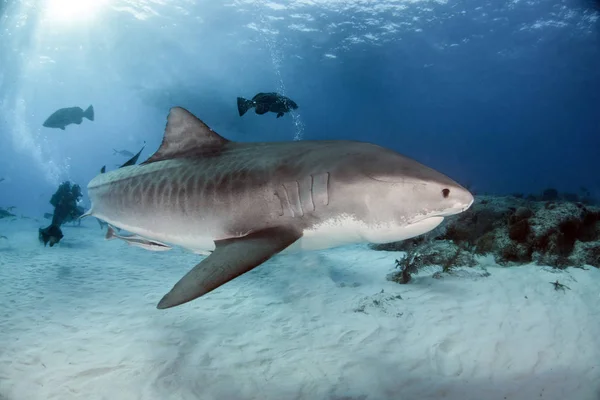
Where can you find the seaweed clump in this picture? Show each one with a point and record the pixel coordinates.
(545, 232)
(65, 201)
(445, 254)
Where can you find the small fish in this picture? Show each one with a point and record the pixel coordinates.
(5, 213)
(136, 240)
(2, 179)
(123, 153)
(265, 102)
(134, 159)
(67, 116)
(3, 237)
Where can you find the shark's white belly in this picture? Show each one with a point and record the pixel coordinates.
(191, 241)
(339, 231)
(345, 230)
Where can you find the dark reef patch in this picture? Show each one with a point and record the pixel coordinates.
(546, 230)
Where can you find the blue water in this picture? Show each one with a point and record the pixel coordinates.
(502, 96)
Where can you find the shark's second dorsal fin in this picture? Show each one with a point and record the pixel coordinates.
(186, 136)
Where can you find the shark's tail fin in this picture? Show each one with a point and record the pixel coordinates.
(110, 233)
(89, 113)
(244, 105)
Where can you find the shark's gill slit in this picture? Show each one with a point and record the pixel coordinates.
(310, 189)
(293, 190)
(321, 189)
(327, 188)
(288, 202)
(280, 203)
(305, 190)
(301, 208)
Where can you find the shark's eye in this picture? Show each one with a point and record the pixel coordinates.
(445, 192)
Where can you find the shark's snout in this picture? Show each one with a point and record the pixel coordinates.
(462, 200)
(469, 205)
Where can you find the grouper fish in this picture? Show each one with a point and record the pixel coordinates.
(67, 116)
(265, 102)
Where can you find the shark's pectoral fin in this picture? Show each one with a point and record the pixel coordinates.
(230, 259)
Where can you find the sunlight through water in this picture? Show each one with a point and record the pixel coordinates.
(63, 11)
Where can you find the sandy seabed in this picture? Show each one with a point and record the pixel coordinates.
(79, 321)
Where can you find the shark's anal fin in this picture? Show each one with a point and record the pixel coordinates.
(110, 232)
(230, 259)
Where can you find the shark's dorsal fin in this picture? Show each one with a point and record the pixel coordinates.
(186, 136)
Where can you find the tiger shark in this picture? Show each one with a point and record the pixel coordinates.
(243, 203)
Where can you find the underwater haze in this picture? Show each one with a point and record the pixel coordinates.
(470, 269)
(502, 96)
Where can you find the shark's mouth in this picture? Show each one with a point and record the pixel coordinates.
(427, 220)
(397, 233)
(456, 209)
